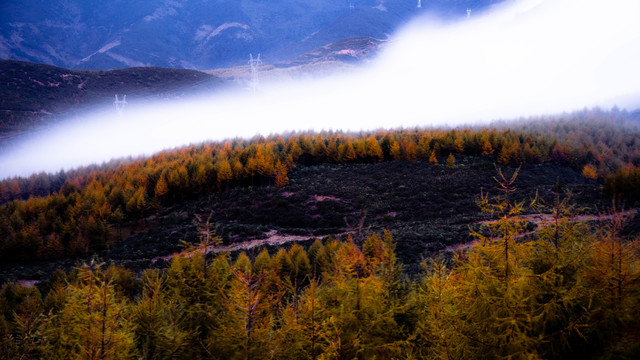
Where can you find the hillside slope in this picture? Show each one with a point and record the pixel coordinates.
(33, 93)
(427, 208)
(194, 35)
(336, 57)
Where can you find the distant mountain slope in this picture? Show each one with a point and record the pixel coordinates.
(329, 59)
(33, 92)
(196, 35)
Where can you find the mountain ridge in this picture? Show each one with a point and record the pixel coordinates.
(37, 94)
(195, 35)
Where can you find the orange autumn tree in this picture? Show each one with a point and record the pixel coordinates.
(281, 175)
(589, 171)
(374, 151)
(161, 188)
(487, 148)
(225, 175)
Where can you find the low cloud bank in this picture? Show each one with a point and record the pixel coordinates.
(521, 58)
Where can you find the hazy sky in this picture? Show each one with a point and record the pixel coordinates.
(521, 58)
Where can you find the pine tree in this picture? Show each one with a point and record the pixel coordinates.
(332, 151)
(374, 151)
(8, 349)
(359, 318)
(613, 272)
(487, 148)
(262, 263)
(160, 327)
(22, 323)
(507, 226)
(589, 171)
(225, 175)
(435, 334)
(300, 265)
(348, 154)
(161, 187)
(94, 324)
(396, 154)
(317, 259)
(246, 332)
(281, 178)
(495, 295)
(137, 203)
(411, 151)
(319, 152)
(451, 161)
(432, 158)
(5, 194)
(424, 145)
(558, 259)
(298, 335)
(242, 263)
(459, 145)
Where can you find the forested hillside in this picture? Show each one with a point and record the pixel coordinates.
(76, 213)
(568, 291)
(495, 242)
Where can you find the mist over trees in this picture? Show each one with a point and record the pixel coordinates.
(568, 287)
(77, 212)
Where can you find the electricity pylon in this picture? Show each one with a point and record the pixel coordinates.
(119, 104)
(254, 63)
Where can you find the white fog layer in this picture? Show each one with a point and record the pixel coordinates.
(521, 58)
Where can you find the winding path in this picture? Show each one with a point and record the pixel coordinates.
(543, 220)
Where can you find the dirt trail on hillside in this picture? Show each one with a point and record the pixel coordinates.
(547, 219)
(27, 283)
(543, 220)
(273, 239)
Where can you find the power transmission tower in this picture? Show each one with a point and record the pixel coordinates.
(119, 104)
(254, 63)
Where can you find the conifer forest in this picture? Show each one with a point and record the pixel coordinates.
(537, 259)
